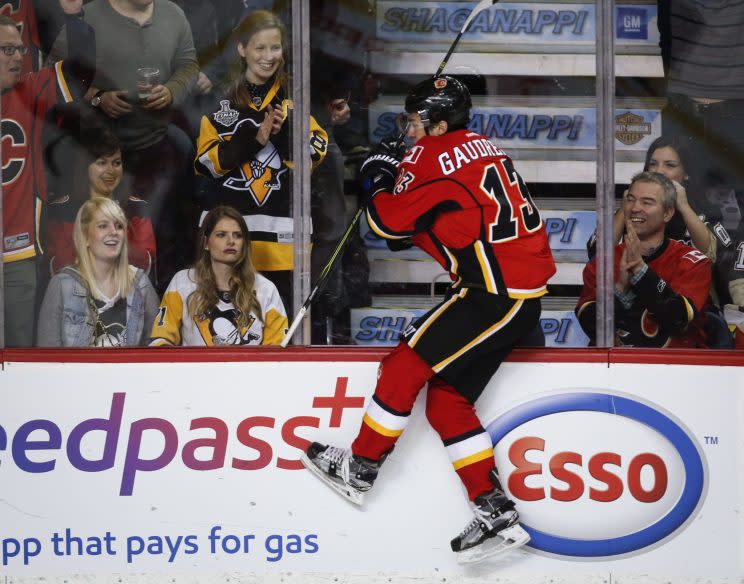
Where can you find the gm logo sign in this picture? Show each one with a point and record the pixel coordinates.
(597, 475)
(632, 23)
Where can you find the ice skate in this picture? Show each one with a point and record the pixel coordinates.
(494, 529)
(349, 475)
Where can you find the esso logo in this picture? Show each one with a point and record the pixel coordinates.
(597, 475)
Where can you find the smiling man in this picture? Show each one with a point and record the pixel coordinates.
(661, 285)
(25, 101)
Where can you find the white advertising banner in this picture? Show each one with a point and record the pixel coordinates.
(631, 472)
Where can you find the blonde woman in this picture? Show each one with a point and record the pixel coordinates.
(222, 300)
(99, 301)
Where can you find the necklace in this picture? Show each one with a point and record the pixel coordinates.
(257, 92)
(225, 296)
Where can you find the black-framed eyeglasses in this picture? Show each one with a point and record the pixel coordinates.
(10, 50)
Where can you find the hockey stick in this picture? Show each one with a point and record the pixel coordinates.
(323, 277)
(480, 7)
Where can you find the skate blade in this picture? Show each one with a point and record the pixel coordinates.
(507, 539)
(352, 495)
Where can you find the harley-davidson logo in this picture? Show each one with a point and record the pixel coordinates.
(630, 128)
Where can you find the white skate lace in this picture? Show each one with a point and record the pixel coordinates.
(339, 457)
(469, 527)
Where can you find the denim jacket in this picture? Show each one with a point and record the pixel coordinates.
(65, 319)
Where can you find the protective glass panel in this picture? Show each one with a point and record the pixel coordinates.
(676, 115)
(529, 68)
(185, 109)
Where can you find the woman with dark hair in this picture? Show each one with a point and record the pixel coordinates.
(222, 300)
(101, 300)
(98, 173)
(243, 146)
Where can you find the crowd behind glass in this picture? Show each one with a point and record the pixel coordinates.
(147, 195)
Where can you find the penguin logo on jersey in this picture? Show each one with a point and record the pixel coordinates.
(223, 328)
(261, 176)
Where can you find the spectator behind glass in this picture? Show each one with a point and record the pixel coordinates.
(134, 34)
(100, 301)
(671, 158)
(39, 22)
(243, 146)
(696, 221)
(661, 285)
(26, 99)
(222, 300)
(330, 310)
(98, 173)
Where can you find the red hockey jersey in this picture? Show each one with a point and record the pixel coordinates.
(24, 183)
(670, 299)
(463, 203)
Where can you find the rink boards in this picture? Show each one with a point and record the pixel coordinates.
(187, 470)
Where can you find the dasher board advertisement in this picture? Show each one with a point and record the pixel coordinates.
(383, 326)
(148, 471)
(540, 126)
(524, 23)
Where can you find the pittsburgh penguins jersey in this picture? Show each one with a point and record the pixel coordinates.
(729, 264)
(174, 326)
(669, 304)
(260, 186)
(463, 203)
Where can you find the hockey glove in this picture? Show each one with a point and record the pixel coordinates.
(391, 146)
(242, 147)
(379, 170)
(378, 173)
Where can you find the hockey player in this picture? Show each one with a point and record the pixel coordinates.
(25, 101)
(661, 285)
(458, 198)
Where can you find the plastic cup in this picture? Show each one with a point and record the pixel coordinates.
(147, 78)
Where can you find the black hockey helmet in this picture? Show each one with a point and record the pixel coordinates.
(440, 98)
